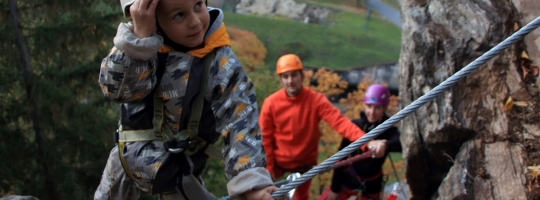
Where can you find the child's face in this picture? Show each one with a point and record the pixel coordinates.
(184, 21)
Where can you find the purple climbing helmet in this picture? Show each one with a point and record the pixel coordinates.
(377, 94)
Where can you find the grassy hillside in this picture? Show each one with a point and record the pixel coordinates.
(342, 44)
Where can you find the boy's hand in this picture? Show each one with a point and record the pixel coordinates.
(143, 15)
(262, 194)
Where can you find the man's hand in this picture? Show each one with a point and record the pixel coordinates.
(378, 147)
(262, 194)
(143, 14)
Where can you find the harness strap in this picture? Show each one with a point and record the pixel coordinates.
(197, 106)
(121, 146)
(136, 135)
(195, 143)
(362, 179)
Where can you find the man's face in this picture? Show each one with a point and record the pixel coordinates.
(374, 113)
(185, 22)
(292, 82)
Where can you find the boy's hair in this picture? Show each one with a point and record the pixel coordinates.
(125, 4)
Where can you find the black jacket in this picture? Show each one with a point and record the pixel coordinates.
(365, 168)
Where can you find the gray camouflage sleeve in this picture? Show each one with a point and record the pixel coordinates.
(235, 108)
(127, 73)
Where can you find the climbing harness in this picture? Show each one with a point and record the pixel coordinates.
(325, 165)
(177, 169)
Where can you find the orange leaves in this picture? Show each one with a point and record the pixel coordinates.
(329, 83)
(247, 47)
(534, 172)
(510, 103)
(529, 70)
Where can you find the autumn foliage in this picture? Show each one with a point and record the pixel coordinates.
(247, 47)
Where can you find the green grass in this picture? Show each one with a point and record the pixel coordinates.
(343, 44)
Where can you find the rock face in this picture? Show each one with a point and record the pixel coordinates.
(283, 8)
(463, 144)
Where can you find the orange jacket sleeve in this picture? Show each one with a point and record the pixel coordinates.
(343, 125)
(266, 121)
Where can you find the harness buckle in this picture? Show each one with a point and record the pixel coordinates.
(179, 146)
(175, 150)
(174, 146)
(116, 136)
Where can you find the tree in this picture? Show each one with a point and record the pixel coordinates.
(464, 144)
(56, 126)
(233, 4)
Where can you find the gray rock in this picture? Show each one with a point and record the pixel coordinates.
(463, 144)
(283, 8)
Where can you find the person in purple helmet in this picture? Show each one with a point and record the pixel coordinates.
(366, 175)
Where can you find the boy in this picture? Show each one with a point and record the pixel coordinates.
(366, 175)
(181, 87)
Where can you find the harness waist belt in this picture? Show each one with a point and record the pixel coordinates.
(137, 135)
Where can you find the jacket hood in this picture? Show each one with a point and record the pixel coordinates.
(216, 36)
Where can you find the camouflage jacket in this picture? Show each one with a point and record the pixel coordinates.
(128, 75)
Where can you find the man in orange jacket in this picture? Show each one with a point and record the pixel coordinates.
(290, 124)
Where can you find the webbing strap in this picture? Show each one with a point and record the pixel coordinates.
(197, 106)
(136, 135)
(191, 131)
(121, 146)
(158, 120)
(213, 152)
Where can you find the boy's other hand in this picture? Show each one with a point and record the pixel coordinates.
(143, 15)
(262, 194)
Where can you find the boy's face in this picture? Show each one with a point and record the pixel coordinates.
(292, 82)
(374, 113)
(184, 21)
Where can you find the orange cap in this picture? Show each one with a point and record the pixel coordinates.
(287, 63)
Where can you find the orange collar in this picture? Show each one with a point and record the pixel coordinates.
(218, 39)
